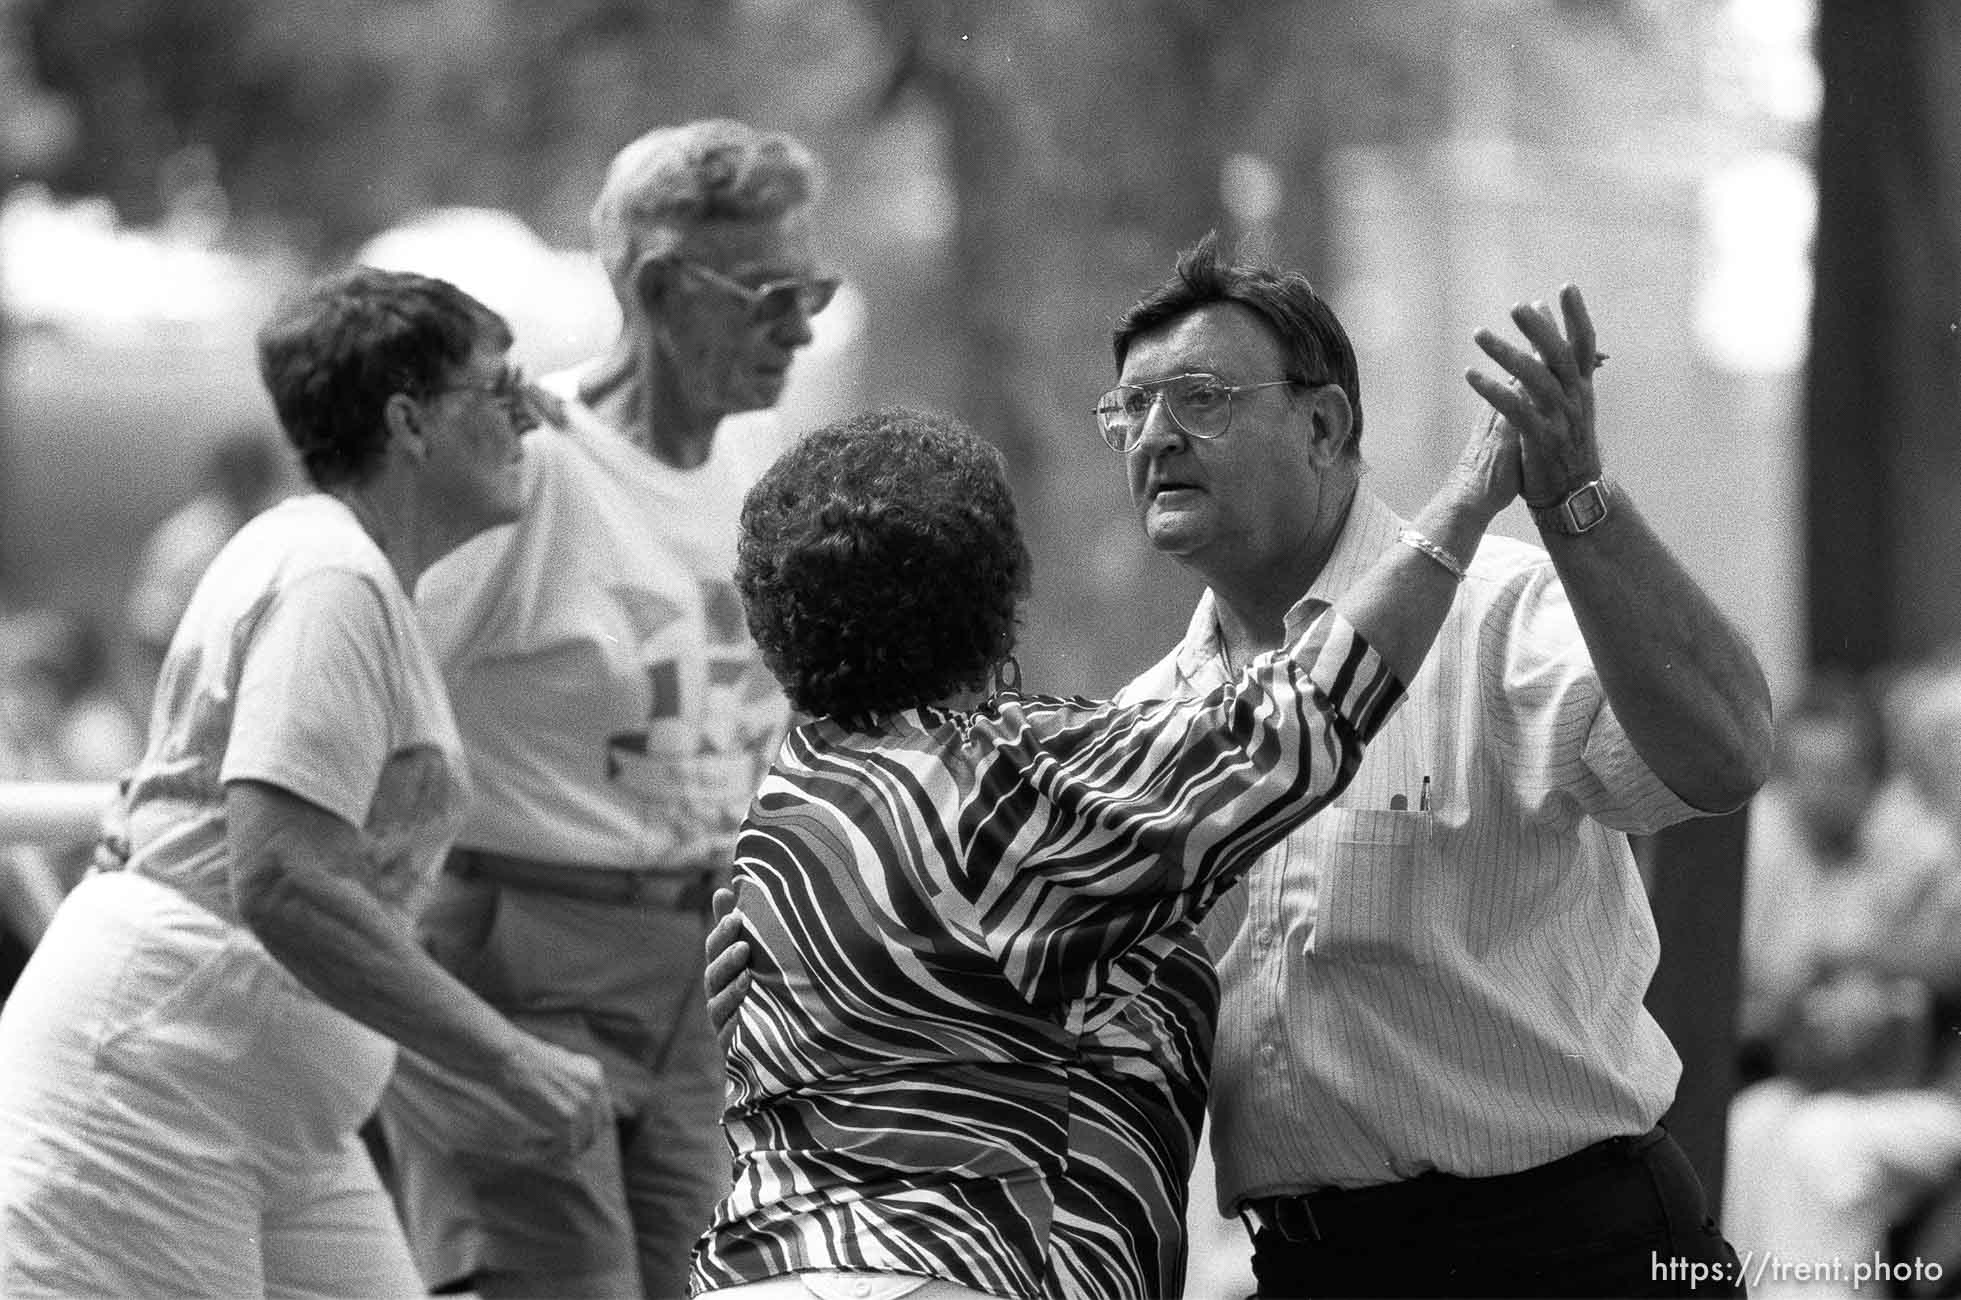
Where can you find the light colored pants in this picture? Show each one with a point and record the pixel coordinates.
(178, 1116)
(620, 982)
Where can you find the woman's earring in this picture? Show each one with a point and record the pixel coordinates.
(1007, 675)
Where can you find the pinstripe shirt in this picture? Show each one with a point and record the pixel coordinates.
(1445, 970)
(950, 922)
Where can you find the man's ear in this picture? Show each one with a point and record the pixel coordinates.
(1332, 420)
(407, 428)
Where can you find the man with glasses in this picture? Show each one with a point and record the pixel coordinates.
(617, 718)
(1434, 1074)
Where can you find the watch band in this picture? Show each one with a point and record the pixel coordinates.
(1577, 512)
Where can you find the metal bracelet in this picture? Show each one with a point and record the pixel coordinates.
(1451, 564)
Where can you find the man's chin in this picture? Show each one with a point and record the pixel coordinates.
(762, 393)
(1175, 534)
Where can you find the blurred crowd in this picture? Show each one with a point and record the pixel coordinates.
(75, 684)
(1845, 1141)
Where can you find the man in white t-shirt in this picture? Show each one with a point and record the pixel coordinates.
(617, 718)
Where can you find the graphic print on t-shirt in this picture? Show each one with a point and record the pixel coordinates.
(712, 712)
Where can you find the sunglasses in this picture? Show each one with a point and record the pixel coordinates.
(773, 299)
(510, 390)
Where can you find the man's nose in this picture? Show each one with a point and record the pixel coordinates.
(793, 328)
(1159, 431)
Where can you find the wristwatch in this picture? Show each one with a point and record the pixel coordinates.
(1579, 510)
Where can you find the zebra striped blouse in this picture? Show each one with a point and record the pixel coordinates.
(977, 1039)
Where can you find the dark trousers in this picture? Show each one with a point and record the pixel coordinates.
(1626, 1217)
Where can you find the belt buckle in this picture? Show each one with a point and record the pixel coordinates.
(1289, 1217)
(689, 892)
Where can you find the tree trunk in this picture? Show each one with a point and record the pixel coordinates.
(1884, 381)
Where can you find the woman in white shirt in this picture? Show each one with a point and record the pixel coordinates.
(186, 1060)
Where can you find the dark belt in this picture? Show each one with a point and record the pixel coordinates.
(1367, 1211)
(679, 889)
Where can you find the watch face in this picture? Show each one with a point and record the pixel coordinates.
(1586, 507)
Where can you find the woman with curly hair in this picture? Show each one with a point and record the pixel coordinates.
(949, 889)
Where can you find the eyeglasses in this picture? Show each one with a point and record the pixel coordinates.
(510, 390)
(774, 299)
(1200, 405)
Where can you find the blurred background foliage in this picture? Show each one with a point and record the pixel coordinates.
(1004, 178)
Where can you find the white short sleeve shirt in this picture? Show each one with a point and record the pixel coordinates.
(614, 708)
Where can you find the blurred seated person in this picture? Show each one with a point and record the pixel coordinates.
(61, 719)
(1861, 1125)
(947, 887)
(1861, 1120)
(244, 472)
(1887, 901)
(1803, 859)
(1917, 810)
(1912, 836)
(31, 883)
(62, 710)
(186, 1060)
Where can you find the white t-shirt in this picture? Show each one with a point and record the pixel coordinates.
(300, 663)
(615, 710)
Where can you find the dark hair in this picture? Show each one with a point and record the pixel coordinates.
(881, 566)
(1308, 329)
(333, 355)
(245, 465)
(1843, 701)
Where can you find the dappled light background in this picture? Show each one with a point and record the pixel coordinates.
(1002, 180)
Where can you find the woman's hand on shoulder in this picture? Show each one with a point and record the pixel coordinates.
(727, 979)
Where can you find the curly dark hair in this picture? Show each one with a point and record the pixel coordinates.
(1317, 346)
(881, 565)
(332, 356)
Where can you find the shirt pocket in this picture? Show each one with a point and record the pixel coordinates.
(1372, 869)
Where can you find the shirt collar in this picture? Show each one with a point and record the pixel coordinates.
(1369, 530)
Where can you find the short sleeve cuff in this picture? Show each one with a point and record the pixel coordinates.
(1643, 803)
(313, 702)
